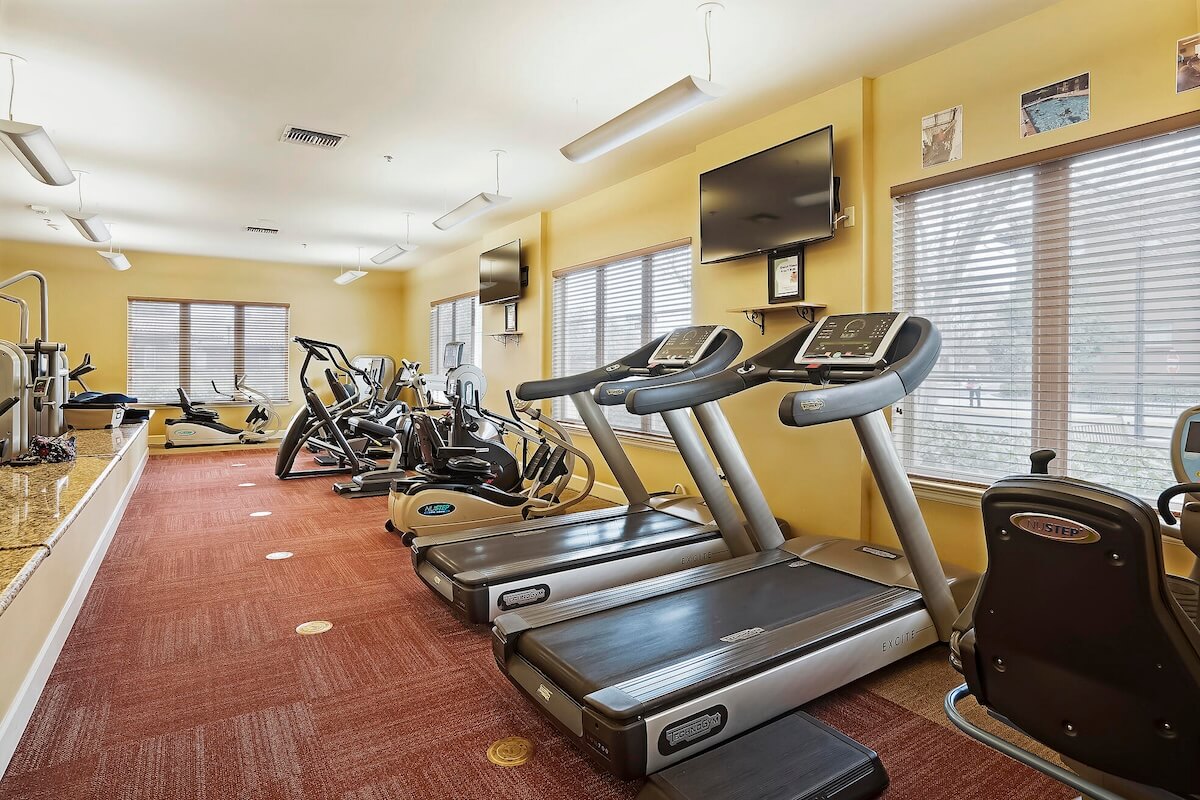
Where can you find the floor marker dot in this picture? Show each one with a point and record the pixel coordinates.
(246, 484)
(280, 555)
(260, 513)
(511, 751)
(237, 465)
(314, 627)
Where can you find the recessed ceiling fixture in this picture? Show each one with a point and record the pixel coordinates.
(90, 225)
(351, 275)
(326, 141)
(30, 143)
(477, 205)
(397, 250)
(654, 112)
(116, 260)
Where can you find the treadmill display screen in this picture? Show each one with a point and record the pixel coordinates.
(851, 338)
(685, 346)
(1192, 444)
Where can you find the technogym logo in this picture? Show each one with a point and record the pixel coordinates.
(519, 598)
(689, 730)
(1060, 529)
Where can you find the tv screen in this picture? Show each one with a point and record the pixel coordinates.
(500, 274)
(768, 201)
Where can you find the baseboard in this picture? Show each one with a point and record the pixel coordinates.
(12, 727)
(604, 491)
(160, 439)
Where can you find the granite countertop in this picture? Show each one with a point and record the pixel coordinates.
(37, 502)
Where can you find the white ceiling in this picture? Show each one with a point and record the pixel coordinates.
(175, 107)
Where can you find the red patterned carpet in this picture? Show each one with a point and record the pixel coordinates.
(184, 678)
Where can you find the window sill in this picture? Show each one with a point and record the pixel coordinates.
(648, 441)
(958, 494)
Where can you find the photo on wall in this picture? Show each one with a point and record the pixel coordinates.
(1187, 64)
(1056, 105)
(941, 137)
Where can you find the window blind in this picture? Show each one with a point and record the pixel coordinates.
(1066, 294)
(605, 311)
(456, 320)
(191, 343)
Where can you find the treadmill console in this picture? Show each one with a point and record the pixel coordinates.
(1185, 446)
(858, 340)
(683, 347)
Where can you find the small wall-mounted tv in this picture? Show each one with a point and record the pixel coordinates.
(779, 198)
(500, 274)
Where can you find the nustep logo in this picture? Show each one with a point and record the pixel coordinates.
(1060, 529)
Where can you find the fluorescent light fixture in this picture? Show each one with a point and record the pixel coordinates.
(91, 226)
(33, 148)
(395, 251)
(349, 276)
(477, 205)
(674, 101)
(117, 261)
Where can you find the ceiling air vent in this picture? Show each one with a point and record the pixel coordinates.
(257, 229)
(328, 141)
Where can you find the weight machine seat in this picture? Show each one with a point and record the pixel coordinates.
(469, 465)
(1076, 635)
(192, 410)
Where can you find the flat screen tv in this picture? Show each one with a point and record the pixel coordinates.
(500, 274)
(771, 200)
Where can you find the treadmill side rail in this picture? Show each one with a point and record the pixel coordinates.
(509, 625)
(422, 543)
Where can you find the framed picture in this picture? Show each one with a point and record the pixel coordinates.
(1187, 64)
(941, 137)
(510, 317)
(1056, 105)
(785, 276)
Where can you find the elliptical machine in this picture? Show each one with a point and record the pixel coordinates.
(201, 426)
(467, 486)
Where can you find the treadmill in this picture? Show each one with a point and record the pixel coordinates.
(650, 674)
(491, 570)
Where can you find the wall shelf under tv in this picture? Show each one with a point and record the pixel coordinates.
(757, 315)
(504, 337)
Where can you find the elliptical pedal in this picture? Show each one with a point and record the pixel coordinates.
(794, 757)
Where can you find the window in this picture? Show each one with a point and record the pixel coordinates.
(603, 312)
(1066, 294)
(191, 343)
(455, 320)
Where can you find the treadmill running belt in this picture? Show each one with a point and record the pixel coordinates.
(589, 653)
(486, 554)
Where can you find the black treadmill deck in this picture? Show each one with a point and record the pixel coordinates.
(519, 555)
(633, 645)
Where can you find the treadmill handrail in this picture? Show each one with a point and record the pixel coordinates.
(586, 381)
(720, 354)
(858, 391)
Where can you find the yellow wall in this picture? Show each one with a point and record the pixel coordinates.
(88, 304)
(458, 273)
(1129, 50)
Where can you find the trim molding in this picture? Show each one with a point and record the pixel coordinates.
(625, 437)
(452, 298)
(958, 494)
(1148, 130)
(206, 302)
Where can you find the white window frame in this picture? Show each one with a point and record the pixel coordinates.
(652, 432)
(224, 382)
(454, 306)
(1052, 406)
